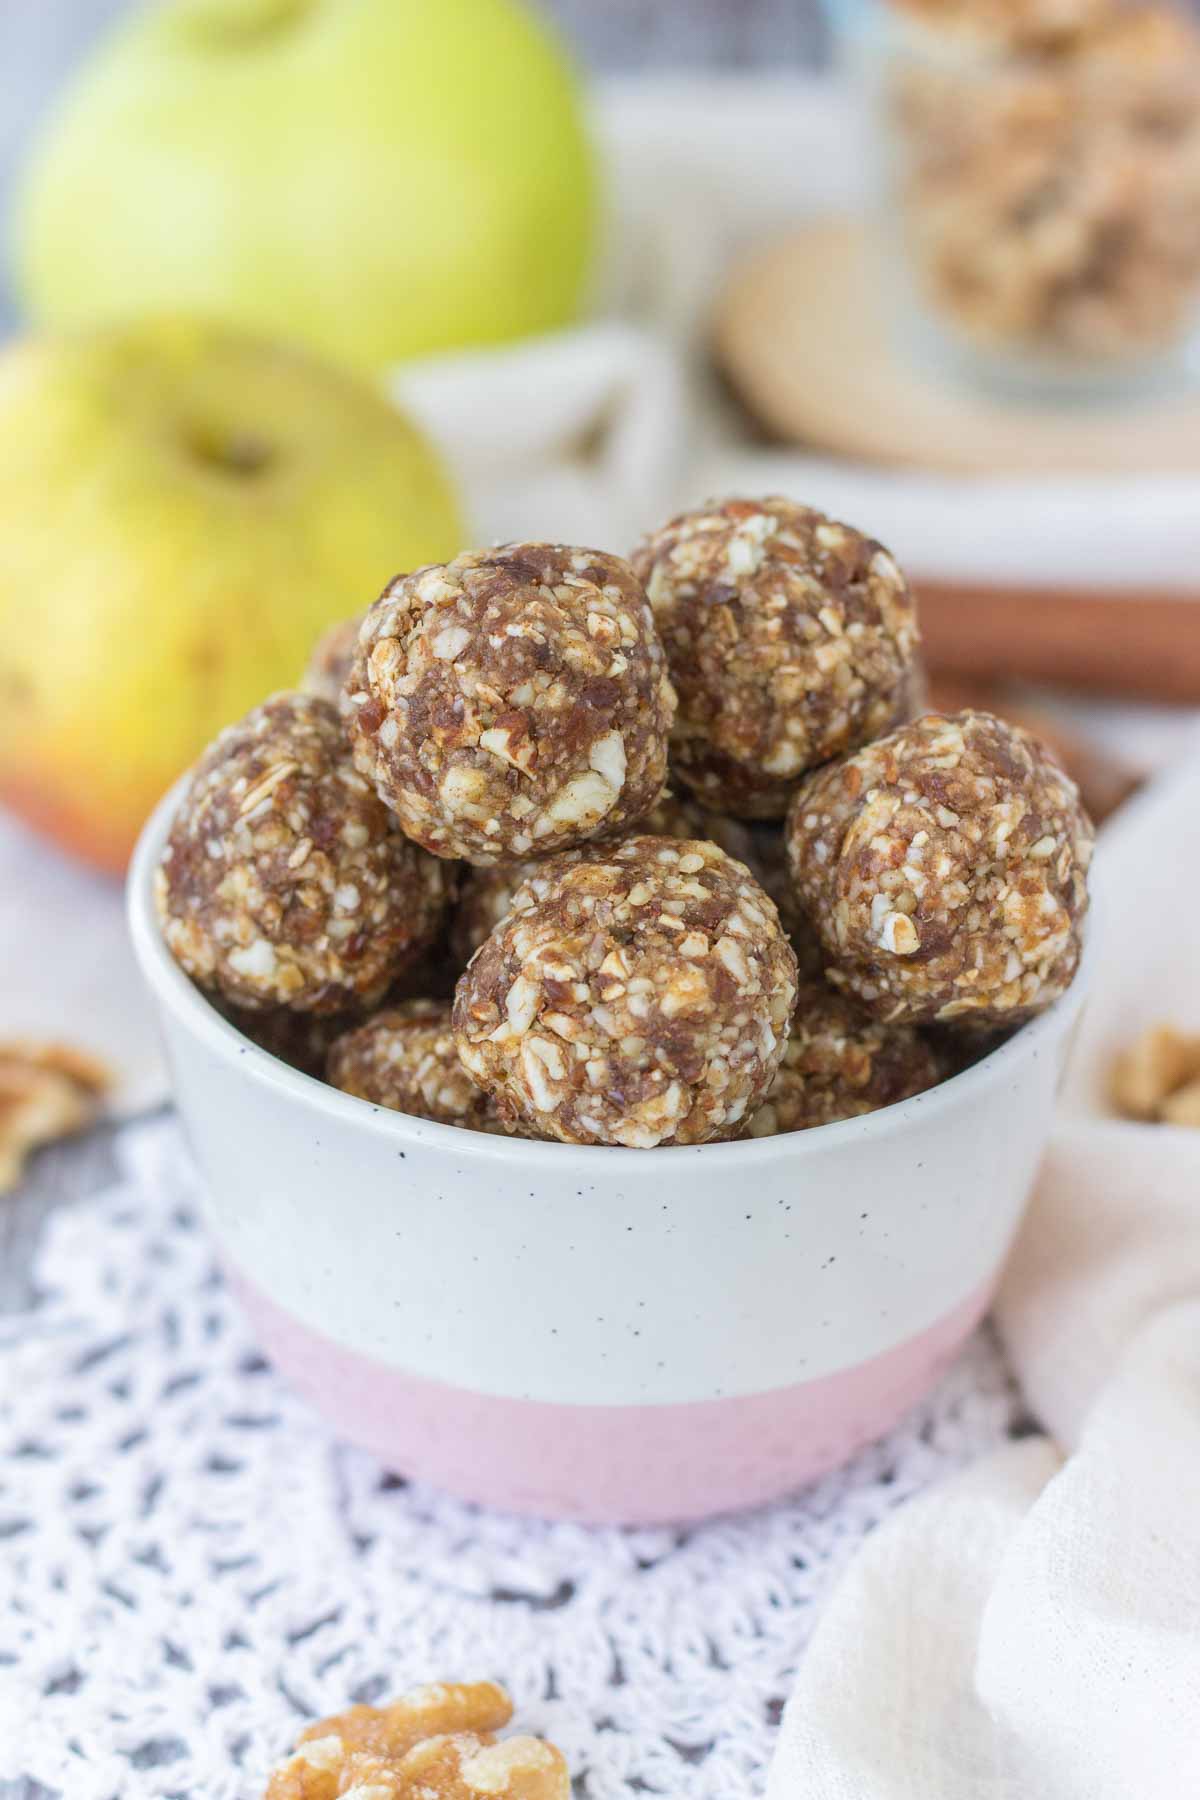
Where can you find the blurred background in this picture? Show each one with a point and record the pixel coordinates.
(41, 44)
(297, 293)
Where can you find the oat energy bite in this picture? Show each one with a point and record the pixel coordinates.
(437, 1743)
(841, 1063)
(944, 869)
(405, 1058)
(331, 661)
(636, 994)
(284, 881)
(301, 1039)
(790, 639)
(513, 702)
(486, 894)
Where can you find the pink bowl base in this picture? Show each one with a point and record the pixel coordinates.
(608, 1465)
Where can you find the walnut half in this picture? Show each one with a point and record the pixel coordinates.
(47, 1091)
(436, 1743)
(1157, 1077)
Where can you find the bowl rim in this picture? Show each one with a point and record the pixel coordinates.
(173, 990)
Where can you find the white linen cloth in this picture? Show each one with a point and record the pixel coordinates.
(1031, 1630)
(593, 434)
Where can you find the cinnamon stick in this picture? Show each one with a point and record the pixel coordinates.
(1131, 646)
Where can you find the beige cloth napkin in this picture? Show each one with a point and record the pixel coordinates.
(1031, 1631)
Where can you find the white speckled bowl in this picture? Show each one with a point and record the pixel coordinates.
(608, 1335)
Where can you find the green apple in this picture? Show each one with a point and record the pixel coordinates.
(182, 510)
(373, 178)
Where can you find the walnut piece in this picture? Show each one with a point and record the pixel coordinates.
(944, 869)
(513, 702)
(636, 994)
(790, 638)
(47, 1091)
(436, 1743)
(1157, 1077)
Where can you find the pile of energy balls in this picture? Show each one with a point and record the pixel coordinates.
(629, 853)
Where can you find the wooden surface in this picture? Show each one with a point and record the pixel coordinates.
(803, 334)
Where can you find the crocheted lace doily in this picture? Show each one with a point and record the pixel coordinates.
(192, 1566)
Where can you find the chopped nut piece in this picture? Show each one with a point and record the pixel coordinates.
(922, 919)
(790, 639)
(47, 1091)
(841, 1063)
(667, 1045)
(405, 1059)
(249, 917)
(1158, 1068)
(496, 717)
(437, 1743)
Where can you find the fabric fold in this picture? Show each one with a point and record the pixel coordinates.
(1032, 1630)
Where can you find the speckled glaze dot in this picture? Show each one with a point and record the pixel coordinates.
(790, 639)
(638, 995)
(513, 702)
(944, 870)
(284, 882)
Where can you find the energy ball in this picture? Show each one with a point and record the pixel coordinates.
(405, 1059)
(841, 1063)
(513, 702)
(944, 869)
(790, 639)
(487, 894)
(331, 661)
(300, 1039)
(636, 994)
(766, 858)
(284, 881)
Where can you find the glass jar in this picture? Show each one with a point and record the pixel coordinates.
(1037, 172)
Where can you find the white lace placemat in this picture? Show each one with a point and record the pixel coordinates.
(192, 1566)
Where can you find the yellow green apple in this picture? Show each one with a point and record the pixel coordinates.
(374, 178)
(182, 510)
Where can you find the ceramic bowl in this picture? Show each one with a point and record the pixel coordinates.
(607, 1335)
